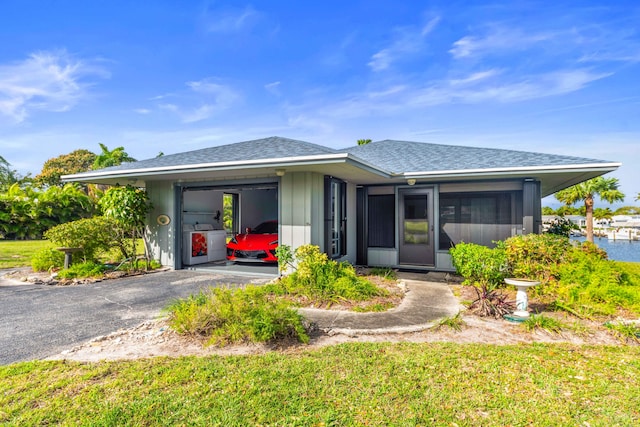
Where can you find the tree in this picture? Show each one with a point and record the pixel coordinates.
(9, 176)
(75, 162)
(363, 141)
(628, 210)
(547, 210)
(128, 207)
(602, 213)
(605, 188)
(108, 158)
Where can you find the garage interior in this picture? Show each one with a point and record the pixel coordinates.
(213, 215)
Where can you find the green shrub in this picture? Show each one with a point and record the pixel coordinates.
(227, 316)
(561, 227)
(577, 276)
(91, 234)
(536, 256)
(82, 270)
(590, 285)
(479, 264)
(324, 280)
(47, 259)
(485, 269)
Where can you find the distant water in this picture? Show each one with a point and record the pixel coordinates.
(619, 250)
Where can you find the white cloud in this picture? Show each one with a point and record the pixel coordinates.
(407, 40)
(273, 88)
(490, 86)
(497, 40)
(204, 99)
(231, 20)
(47, 81)
(142, 111)
(474, 78)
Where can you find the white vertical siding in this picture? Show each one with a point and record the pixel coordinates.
(161, 237)
(301, 213)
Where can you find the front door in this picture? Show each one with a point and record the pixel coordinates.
(416, 227)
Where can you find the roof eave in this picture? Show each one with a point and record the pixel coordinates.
(226, 166)
(608, 167)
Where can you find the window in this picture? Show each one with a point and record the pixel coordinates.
(335, 217)
(381, 221)
(480, 218)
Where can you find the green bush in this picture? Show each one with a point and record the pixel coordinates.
(576, 276)
(479, 265)
(47, 259)
(91, 234)
(227, 316)
(536, 256)
(26, 213)
(324, 280)
(590, 285)
(82, 270)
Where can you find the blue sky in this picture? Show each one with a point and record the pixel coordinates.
(168, 76)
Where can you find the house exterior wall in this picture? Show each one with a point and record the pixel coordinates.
(525, 217)
(162, 237)
(301, 209)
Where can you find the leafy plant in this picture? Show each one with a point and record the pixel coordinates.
(479, 265)
(325, 280)
(625, 331)
(539, 321)
(47, 259)
(285, 258)
(91, 234)
(128, 207)
(227, 316)
(26, 213)
(485, 269)
(453, 322)
(82, 270)
(490, 301)
(536, 256)
(561, 227)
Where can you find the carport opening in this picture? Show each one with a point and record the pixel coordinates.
(212, 216)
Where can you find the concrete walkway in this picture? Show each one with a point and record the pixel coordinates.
(425, 304)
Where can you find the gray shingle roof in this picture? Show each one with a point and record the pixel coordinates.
(406, 156)
(266, 148)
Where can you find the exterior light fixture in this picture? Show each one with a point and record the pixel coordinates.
(280, 172)
(411, 181)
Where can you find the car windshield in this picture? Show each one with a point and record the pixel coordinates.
(266, 228)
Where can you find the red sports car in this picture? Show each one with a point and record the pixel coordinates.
(256, 245)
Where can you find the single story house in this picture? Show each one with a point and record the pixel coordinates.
(386, 203)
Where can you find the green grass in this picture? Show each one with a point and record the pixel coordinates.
(17, 253)
(539, 321)
(350, 384)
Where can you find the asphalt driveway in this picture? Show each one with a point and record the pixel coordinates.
(38, 321)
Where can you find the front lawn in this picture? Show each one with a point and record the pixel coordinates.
(17, 253)
(348, 384)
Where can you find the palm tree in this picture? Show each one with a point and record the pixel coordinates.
(605, 188)
(113, 157)
(363, 141)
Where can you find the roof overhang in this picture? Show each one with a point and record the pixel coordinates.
(552, 178)
(346, 166)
